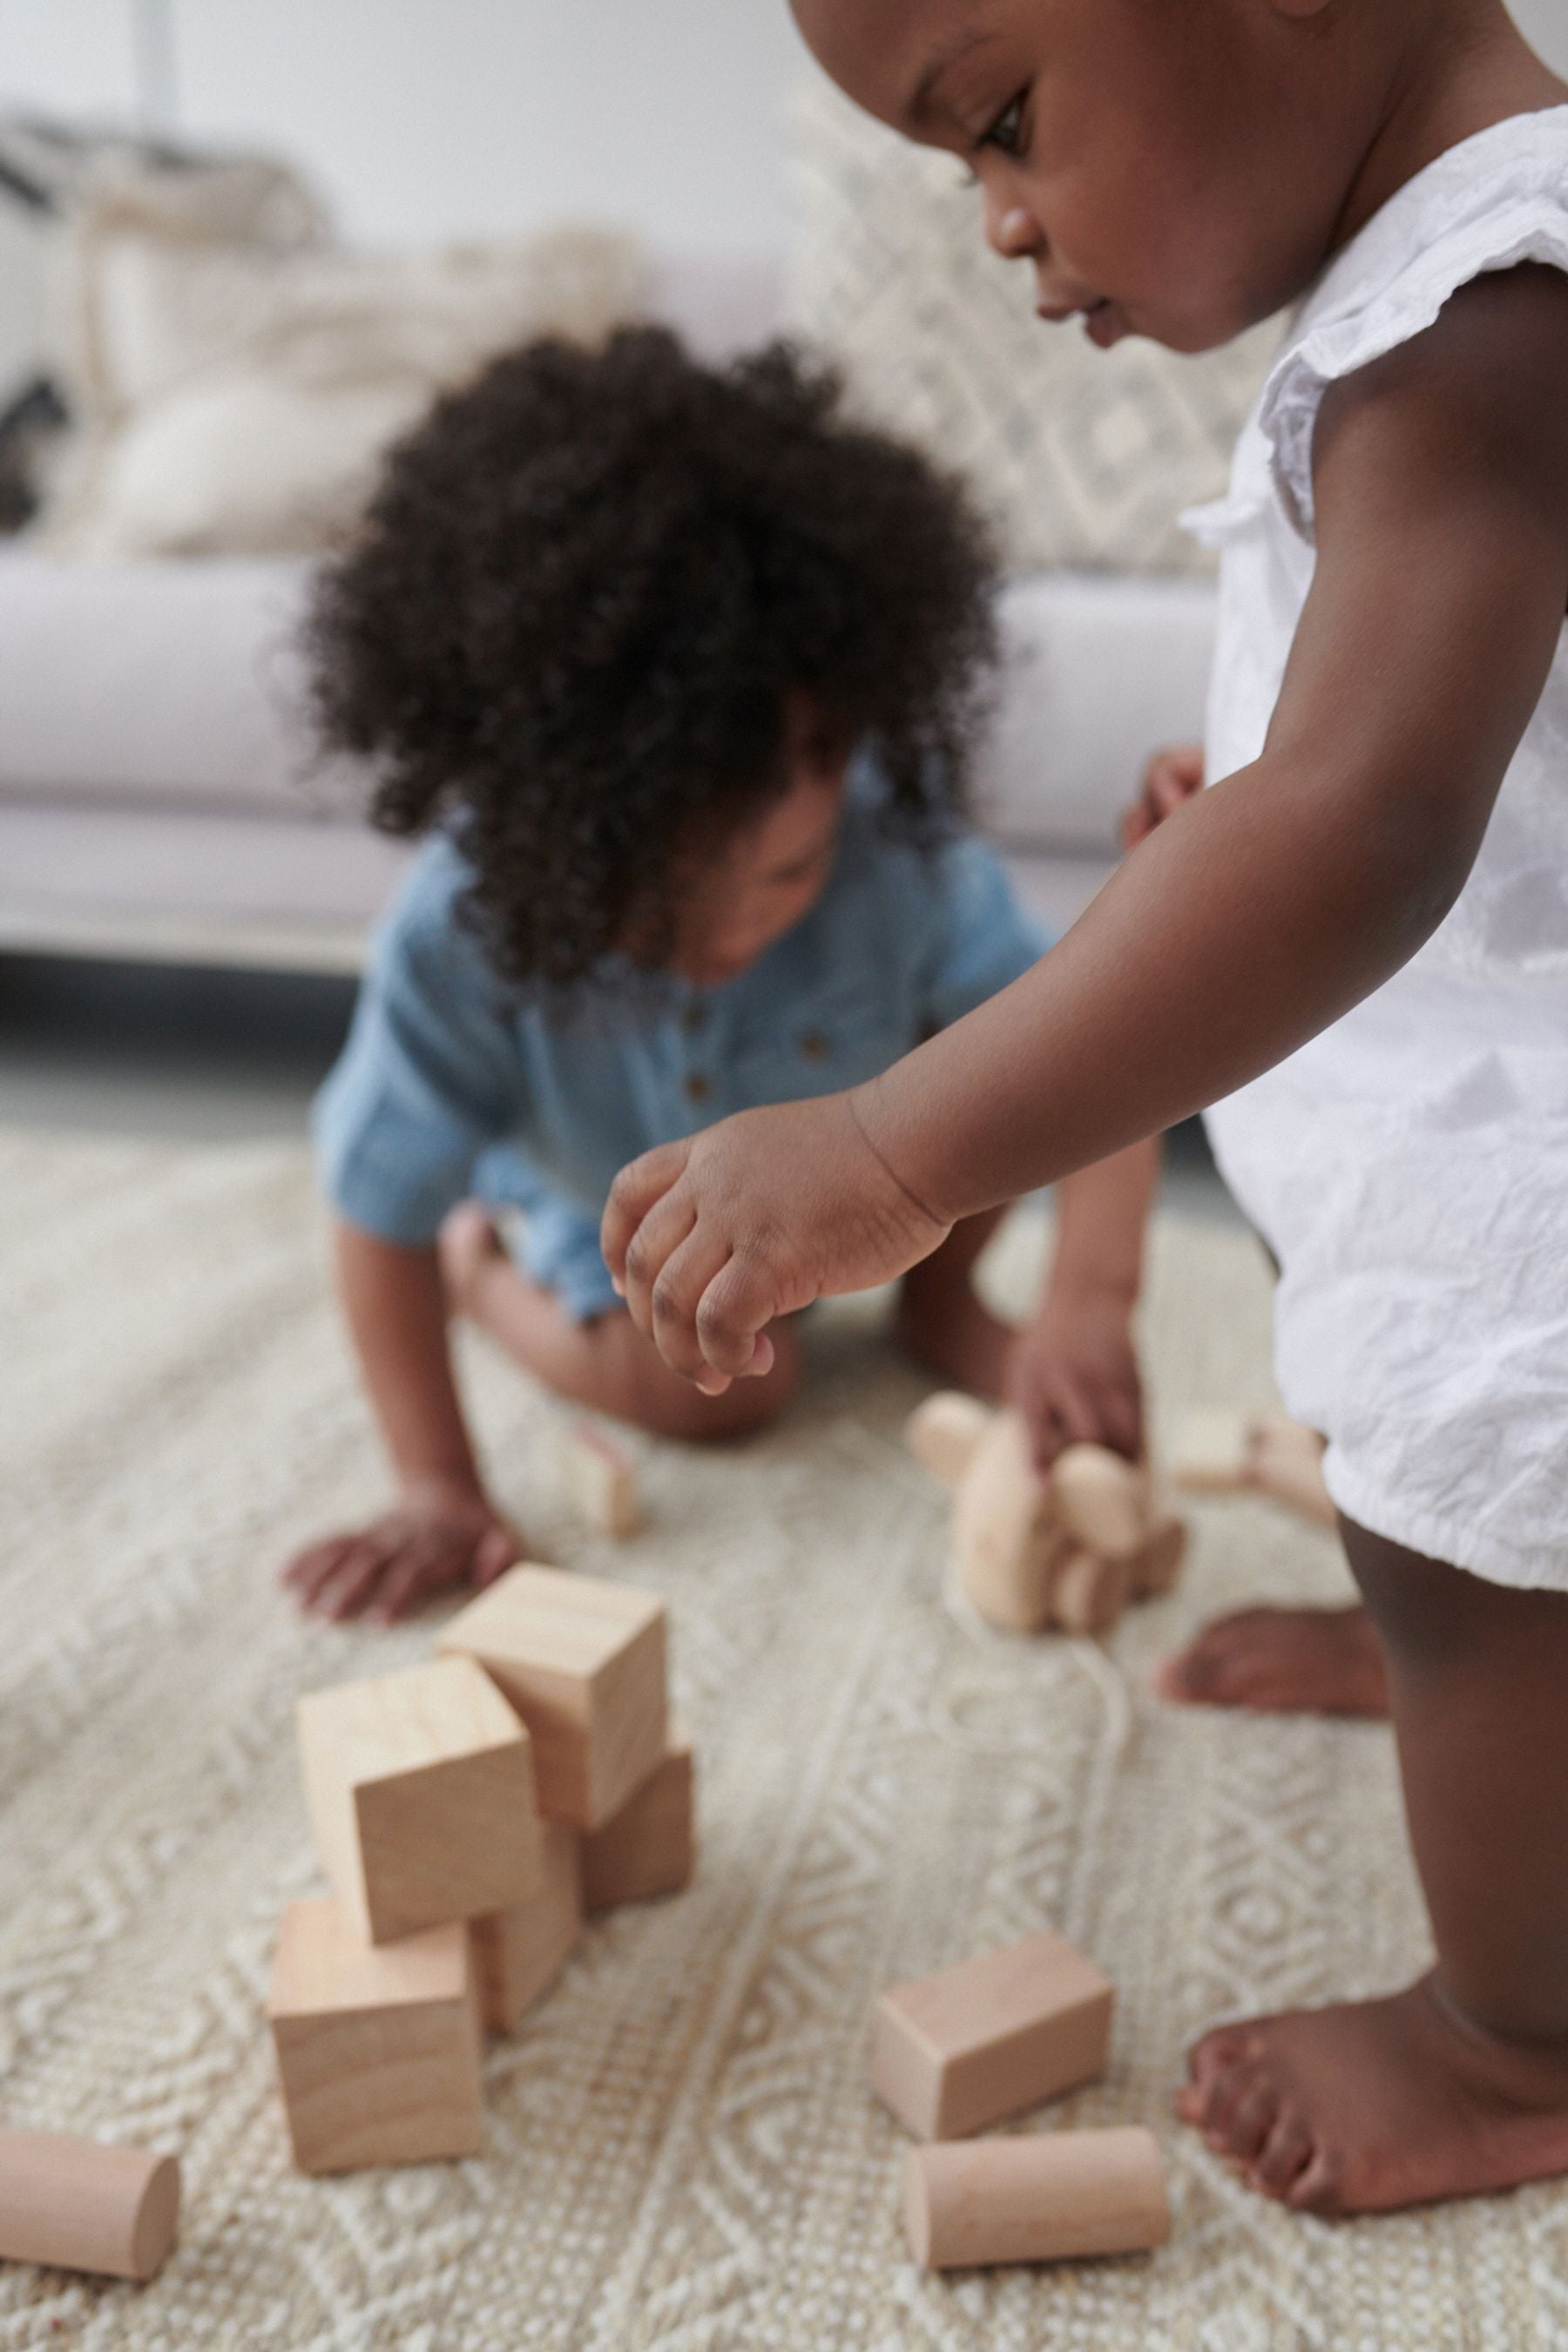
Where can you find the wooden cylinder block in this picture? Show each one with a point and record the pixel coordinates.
(1102, 1500)
(81, 2206)
(1047, 2196)
(943, 1433)
(1004, 1529)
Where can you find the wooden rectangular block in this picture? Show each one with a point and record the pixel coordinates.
(647, 1848)
(583, 1661)
(377, 2045)
(1036, 2198)
(421, 1796)
(957, 2051)
(603, 1479)
(518, 1954)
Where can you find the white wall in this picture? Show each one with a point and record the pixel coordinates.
(435, 118)
(439, 118)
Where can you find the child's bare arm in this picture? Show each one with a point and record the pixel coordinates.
(1256, 915)
(443, 1529)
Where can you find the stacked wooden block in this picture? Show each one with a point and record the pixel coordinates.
(468, 1812)
(960, 2051)
(1224, 1453)
(1071, 1548)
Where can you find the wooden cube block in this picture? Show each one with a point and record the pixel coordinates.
(1005, 1531)
(954, 2052)
(649, 1847)
(518, 1954)
(1287, 1464)
(583, 1661)
(1090, 1594)
(420, 1790)
(378, 2045)
(1036, 2198)
(942, 1433)
(604, 1480)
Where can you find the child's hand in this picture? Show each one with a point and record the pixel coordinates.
(1171, 777)
(711, 1238)
(437, 1533)
(1073, 1374)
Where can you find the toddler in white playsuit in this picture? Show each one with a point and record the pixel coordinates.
(1353, 945)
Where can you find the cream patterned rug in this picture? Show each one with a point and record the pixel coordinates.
(680, 2148)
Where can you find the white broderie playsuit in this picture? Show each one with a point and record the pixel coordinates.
(1409, 1166)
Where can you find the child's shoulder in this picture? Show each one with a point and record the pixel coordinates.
(1488, 205)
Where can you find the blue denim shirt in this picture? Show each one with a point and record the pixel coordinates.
(453, 1083)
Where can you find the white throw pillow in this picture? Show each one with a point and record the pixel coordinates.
(1081, 458)
(251, 395)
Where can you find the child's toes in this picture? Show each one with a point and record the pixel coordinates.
(1284, 2155)
(1251, 2119)
(1318, 2186)
(1211, 2064)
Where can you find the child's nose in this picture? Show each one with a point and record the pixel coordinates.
(1010, 230)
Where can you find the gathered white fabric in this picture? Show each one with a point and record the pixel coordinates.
(1409, 1168)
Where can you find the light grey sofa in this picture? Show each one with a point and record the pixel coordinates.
(160, 797)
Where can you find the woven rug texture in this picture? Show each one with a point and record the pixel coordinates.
(680, 2148)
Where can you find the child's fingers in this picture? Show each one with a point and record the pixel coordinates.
(684, 1274)
(310, 1569)
(495, 1555)
(356, 1580)
(658, 1242)
(632, 1195)
(732, 1314)
(418, 1570)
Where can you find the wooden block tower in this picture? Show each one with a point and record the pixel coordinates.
(468, 1812)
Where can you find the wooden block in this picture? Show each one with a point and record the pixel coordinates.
(1090, 1594)
(942, 1433)
(420, 1790)
(649, 1847)
(378, 2045)
(603, 1479)
(1102, 1500)
(1159, 1564)
(1041, 2198)
(957, 2051)
(1005, 1531)
(1213, 1454)
(79, 2205)
(1287, 1465)
(583, 1661)
(518, 1954)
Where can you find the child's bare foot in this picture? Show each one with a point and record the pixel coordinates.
(1373, 2104)
(1282, 1661)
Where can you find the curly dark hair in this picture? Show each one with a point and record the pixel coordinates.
(583, 596)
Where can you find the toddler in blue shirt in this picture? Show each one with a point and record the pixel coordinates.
(678, 669)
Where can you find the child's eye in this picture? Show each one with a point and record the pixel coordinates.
(1006, 133)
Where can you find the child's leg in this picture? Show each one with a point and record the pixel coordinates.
(1459, 2084)
(941, 1320)
(605, 1364)
(1282, 1662)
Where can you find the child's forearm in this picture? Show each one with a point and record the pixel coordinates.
(1102, 1214)
(1251, 920)
(396, 1311)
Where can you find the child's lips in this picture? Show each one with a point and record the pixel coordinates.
(1102, 322)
